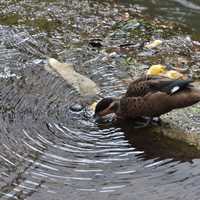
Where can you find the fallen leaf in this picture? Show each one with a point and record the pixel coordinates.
(93, 106)
(153, 44)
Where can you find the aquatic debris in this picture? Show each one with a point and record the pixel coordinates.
(153, 44)
(84, 85)
(127, 25)
(157, 70)
(173, 74)
(96, 43)
(125, 17)
(130, 25)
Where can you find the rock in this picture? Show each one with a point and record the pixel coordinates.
(84, 85)
(76, 108)
(171, 131)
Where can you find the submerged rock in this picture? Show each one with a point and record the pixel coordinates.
(76, 107)
(172, 131)
(84, 85)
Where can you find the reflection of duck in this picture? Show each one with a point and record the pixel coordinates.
(158, 146)
(164, 142)
(150, 97)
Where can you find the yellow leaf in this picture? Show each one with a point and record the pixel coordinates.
(153, 44)
(93, 106)
(156, 70)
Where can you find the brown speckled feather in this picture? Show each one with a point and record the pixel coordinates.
(146, 84)
(157, 103)
(150, 96)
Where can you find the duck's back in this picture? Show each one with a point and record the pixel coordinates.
(140, 86)
(144, 85)
(158, 103)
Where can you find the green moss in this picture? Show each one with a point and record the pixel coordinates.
(195, 109)
(196, 36)
(43, 24)
(10, 19)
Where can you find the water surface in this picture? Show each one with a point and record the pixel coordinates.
(183, 11)
(47, 150)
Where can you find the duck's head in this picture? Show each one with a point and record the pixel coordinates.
(156, 70)
(106, 106)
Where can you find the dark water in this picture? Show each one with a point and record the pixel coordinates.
(48, 151)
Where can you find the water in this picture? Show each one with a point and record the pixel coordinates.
(47, 150)
(182, 11)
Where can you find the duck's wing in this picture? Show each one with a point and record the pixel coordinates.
(140, 86)
(146, 84)
(157, 103)
(169, 86)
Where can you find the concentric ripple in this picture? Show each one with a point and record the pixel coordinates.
(49, 150)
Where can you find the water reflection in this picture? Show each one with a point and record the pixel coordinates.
(157, 146)
(151, 143)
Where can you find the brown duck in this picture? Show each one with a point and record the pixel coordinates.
(148, 83)
(150, 96)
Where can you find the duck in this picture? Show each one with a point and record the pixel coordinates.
(157, 78)
(149, 97)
